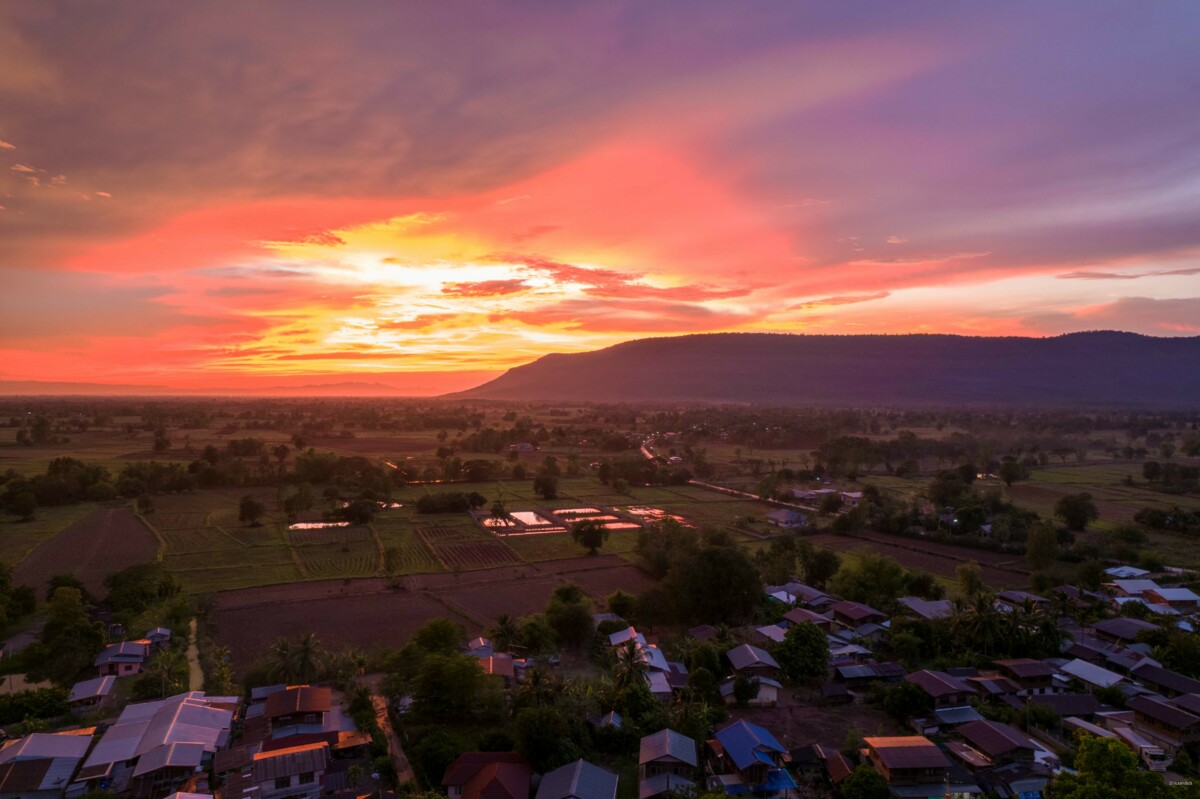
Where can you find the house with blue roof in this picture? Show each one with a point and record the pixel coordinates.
(745, 758)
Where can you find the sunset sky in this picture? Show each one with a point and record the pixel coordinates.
(254, 195)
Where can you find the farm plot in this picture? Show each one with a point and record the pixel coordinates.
(198, 539)
(236, 567)
(465, 547)
(404, 551)
(101, 543)
(336, 552)
(918, 559)
(554, 546)
(18, 539)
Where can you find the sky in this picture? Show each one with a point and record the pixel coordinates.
(246, 196)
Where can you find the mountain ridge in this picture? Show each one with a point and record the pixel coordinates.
(1090, 368)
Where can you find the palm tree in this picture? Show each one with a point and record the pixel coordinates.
(505, 633)
(282, 662)
(308, 658)
(170, 666)
(629, 666)
(981, 624)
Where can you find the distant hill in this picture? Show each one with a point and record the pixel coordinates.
(1081, 369)
(35, 388)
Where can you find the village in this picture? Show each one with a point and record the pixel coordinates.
(582, 625)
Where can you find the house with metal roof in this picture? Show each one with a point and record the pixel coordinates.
(294, 772)
(746, 758)
(124, 658)
(1001, 743)
(153, 729)
(926, 608)
(942, 688)
(1033, 676)
(1090, 674)
(1164, 681)
(1164, 721)
(908, 760)
(767, 692)
(752, 661)
(488, 775)
(578, 780)
(91, 694)
(666, 764)
(40, 765)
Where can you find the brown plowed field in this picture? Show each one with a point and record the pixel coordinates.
(367, 613)
(101, 543)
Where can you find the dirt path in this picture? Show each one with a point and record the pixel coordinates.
(195, 673)
(404, 771)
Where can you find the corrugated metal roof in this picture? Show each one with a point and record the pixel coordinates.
(291, 761)
(578, 780)
(92, 689)
(42, 745)
(741, 740)
(667, 743)
(184, 718)
(173, 755)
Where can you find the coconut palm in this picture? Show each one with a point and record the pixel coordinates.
(629, 666)
(281, 665)
(505, 633)
(308, 658)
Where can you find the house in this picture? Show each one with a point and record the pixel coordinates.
(851, 499)
(746, 758)
(751, 661)
(479, 647)
(928, 609)
(1132, 588)
(578, 780)
(1033, 676)
(1082, 706)
(943, 689)
(772, 632)
(813, 597)
(124, 658)
(786, 518)
(767, 696)
(298, 710)
(1164, 681)
(1024, 780)
(802, 615)
(294, 772)
(1000, 742)
(1181, 599)
(500, 666)
(159, 637)
(908, 760)
(622, 637)
(1164, 721)
(1090, 674)
(154, 747)
(40, 765)
(994, 686)
(666, 764)
(860, 675)
(1122, 630)
(856, 614)
(488, 775)
(1009, 601)
(91, 694)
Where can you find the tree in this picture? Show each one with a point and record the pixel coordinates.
(569, 613)
(590, 533)
(504, 633)
(440, 636)
(447, 685)
(714, 584)
(864, 783)
(546, 486)
(629, 667)
(1011, 471)
(70, 640)
(250, 510)
(621, 603)
(819, 565)
(970, 579)
(1077, 511)
(1041, 548)
(23, 505)
(309, 658)
(544, 738)
(803, 655)
(745, 689)
(1106, 767)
